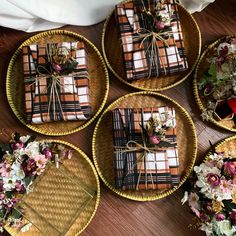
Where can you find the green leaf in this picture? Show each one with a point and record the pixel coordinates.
(17, 136)
(5, 147)
(212, 70)
(166, 144)
(9, 194)
(229, 205)
(16, 214)
(28, 180)
(31, 139)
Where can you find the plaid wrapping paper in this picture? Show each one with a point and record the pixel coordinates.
(72, 90)
(158, 169)
(171, 59)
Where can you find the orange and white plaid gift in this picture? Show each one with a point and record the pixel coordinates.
(138, 165)
(51, 96)
(141, 59)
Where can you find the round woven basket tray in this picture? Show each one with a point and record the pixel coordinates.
(112, 52)
(64, 200)
(228, 146)
(99, 83)
(202, 66)
(103, 155)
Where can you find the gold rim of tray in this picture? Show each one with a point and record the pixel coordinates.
(143, 88)
(11, 65)
(221, 142)
(187, 170)
(195, 87)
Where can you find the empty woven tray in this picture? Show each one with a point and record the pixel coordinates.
(63, 200)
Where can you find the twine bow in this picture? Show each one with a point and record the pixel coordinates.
(150, 37)
(55, 81)
(139, 147)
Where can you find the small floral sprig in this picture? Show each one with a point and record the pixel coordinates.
(59, 61)
(156, 128)
(219, 80)
(22, 160)
(153, 16)
(212, 197)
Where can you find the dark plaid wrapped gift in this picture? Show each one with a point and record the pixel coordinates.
(145, 148)
(151, 38)
(56, 82)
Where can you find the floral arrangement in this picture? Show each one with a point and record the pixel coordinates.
(156, 128)
(212, 197)
(59, 61)
(22, 160)
(154, 18)
(218, 85)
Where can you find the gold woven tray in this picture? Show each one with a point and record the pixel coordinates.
(99, 83)
(64, 200)
(112, 53)
(102, 145)
(202, 66)
(227, 146)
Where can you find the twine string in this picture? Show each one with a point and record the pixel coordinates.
(54, 97)
(152, 48)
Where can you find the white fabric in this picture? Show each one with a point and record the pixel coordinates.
(195, 5)
(37, 15)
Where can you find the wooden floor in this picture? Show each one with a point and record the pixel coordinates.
(117, 216)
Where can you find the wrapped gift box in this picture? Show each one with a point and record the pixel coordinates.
(56, 82)
(139, 165)
(169, 55)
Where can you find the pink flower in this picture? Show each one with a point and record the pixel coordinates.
(17, 145)
(5, 169)
(204, 217)
(159, 25)
(154, 139)
(213, 179)
(47, 152)
(1, 186)
(57, 67)
(195, 211)
(39, 171)
(2, 196)
(233, 217)
(20, 187)
(226, 186)
(230, 168)
(40, 160)
(220, 217)
(208, 208)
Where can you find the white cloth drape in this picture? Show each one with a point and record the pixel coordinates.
(37, 15)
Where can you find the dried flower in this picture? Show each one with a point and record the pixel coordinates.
(220, 217)
(217, 206)
(230, 168)
(233, 217)
(154, 139)
(213, 179)
(17, 145)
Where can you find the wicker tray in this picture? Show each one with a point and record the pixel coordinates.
(64, 200)
(99, 84)
(103, 145)
(228, 146)
(112, 52)
(202, 66)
